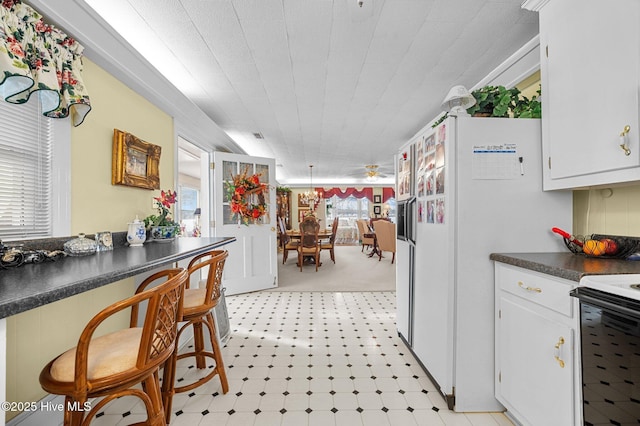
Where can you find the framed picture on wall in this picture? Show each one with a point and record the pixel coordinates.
(376, 210)
(302, 202)
(134, 161)
(377, 199)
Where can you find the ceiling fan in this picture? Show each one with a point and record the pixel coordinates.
(372, 174)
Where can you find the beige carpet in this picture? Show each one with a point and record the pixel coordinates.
(353, 271)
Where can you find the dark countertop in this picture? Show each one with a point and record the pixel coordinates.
(568, 265)
(32, 285)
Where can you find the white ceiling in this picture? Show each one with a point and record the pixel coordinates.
(325, 82)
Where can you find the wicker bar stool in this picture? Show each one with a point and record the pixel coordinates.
(197, 312)
(111, 365)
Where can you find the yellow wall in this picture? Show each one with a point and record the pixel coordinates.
(96, 204)
(530, 85)
(37, 336)
(614, 211)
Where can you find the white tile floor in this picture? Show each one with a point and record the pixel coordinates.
(311, 358)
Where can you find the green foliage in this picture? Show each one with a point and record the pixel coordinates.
(440, 120)
(498, 101)
(493, 101)
(528, 108)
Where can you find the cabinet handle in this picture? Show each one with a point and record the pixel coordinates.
(524, 287)
(623, 140)
(557, 355)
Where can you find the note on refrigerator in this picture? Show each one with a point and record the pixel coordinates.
(499, 161)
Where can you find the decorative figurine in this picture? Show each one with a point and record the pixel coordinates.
(16, 256)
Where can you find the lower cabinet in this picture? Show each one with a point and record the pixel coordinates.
(536, 326)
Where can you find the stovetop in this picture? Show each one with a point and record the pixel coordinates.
(626, 285)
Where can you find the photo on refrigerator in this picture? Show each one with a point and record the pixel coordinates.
(430, 211)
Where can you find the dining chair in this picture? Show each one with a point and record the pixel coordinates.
(363, 229)
(330, 244)
(309, 244)
(385, 237)
(112, 365)
(197, 312)
(286, 242)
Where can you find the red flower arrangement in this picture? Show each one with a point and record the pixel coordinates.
(164, 202)
(246, 197)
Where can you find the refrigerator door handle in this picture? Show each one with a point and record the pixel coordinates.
(405, 222)
(410, 218)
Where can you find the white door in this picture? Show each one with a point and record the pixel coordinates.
(252, 263)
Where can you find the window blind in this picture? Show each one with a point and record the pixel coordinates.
(26, 141)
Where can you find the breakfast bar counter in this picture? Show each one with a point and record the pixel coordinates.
(37, 284)
(32, 285)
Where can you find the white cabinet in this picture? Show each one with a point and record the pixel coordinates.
(536, 325)
(590, 67)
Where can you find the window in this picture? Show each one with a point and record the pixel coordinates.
(390, 209)
(189, 201)
(348, 208)
(26, 156)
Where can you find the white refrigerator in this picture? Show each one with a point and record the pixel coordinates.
(478, 190)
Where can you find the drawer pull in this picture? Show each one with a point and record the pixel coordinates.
(557, 355)
(524, 287)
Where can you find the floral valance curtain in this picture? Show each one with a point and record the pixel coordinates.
(36, 57)
(358, 193)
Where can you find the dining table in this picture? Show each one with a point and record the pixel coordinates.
(323, 233)
(374, 250)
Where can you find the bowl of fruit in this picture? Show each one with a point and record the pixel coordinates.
(601, 245)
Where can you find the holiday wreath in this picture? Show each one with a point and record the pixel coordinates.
(246, 197)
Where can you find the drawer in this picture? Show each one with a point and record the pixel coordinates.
(545, 290)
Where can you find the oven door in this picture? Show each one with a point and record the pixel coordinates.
(610, 343)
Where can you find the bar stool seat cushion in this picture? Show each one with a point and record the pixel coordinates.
(193, 298)
(108, 355)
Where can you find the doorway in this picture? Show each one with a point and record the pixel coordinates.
(192, 210)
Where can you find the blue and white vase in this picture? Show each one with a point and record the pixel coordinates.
(163, 233)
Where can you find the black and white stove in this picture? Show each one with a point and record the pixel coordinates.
(610, 343)
(625, 285)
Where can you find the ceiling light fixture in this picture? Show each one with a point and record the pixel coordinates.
(311, 196)
(372, 172)
(458, 100)
(360, 3)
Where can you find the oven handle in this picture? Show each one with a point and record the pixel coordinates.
(579, 293)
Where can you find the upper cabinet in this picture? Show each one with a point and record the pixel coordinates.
(590, 72)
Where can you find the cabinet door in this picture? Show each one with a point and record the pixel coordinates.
(590, 65)
(532, 383)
